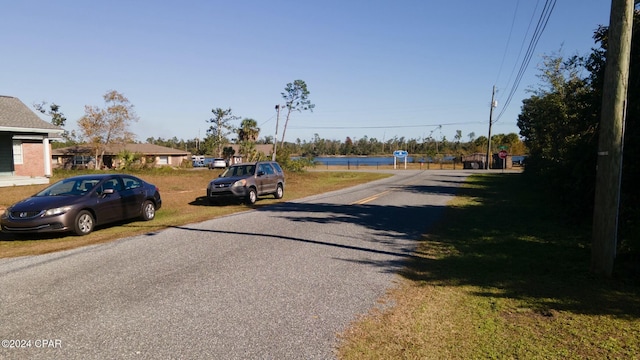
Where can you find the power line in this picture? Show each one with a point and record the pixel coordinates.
(540, 27)
(522, 44)
(504, 55)
(383, 126)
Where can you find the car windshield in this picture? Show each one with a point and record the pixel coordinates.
(239, 170)
(69, 187)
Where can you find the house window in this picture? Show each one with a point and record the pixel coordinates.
(17, 152)
(83, 160)
(163, 160)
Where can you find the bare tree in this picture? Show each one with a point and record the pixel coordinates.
(296, 99)
(103, 127)
(57, 119)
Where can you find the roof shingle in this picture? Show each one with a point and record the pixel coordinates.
(15, 114)
(115, 149)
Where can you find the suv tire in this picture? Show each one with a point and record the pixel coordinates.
(279, 192)
(252, 196)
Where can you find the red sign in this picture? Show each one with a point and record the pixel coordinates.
(502, 154)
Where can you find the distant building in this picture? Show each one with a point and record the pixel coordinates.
(82, 156)
(477, 161)
(238, 157)
(474, 161)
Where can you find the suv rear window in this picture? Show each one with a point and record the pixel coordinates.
(267, 169)
(277, 166)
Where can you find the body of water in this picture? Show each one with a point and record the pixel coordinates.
(368, 160)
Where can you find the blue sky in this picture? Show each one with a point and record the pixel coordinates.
(375, 68)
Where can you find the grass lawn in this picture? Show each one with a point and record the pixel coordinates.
(183, 202)
(501, 278)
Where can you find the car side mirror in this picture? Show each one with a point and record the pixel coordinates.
(107, 192)
(260, 173)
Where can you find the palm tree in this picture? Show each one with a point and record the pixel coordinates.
(247, 136)
(248, 131)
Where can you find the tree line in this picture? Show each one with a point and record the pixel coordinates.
(365, 146)
(102, 126)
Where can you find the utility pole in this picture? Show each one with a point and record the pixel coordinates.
(275, 140)
(611, 138)
(494, 103)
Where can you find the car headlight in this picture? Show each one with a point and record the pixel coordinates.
(241, 183)
(57, 211)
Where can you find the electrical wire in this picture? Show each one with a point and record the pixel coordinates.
(506, 47)
(535, 38)
(383, 126)
(526, 34)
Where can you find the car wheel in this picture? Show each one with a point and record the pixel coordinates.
(148, 210)
(279, 192)
(84, 223)
(252, 196)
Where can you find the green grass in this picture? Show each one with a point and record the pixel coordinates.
(502, 277)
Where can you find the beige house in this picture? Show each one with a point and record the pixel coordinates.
(82, 156)
(237, 157)
(25, 151)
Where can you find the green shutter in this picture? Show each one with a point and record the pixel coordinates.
(6, 154)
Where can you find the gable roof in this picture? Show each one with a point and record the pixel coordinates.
(267, 149)
(16, 116)
(115, 149)
(152, 149)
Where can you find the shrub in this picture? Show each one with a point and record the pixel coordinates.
(283, 157)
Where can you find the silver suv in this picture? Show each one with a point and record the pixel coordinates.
(247, 181)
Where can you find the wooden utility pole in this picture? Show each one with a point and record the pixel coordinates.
(611, 140)
(487, 165)
(275, 140)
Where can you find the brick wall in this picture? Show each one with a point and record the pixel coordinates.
(32, 160)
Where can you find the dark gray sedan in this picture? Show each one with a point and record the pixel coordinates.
(80, 203)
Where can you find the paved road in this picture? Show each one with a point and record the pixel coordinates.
(275, 283)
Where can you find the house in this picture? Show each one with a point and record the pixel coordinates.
(237, 157)
(25, 152)
(82, 156)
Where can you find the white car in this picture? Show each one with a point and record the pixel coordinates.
(218, 163)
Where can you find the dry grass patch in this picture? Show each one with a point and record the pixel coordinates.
(183, 201)
(420, 325)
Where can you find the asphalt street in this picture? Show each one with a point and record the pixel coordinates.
(279, 282)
